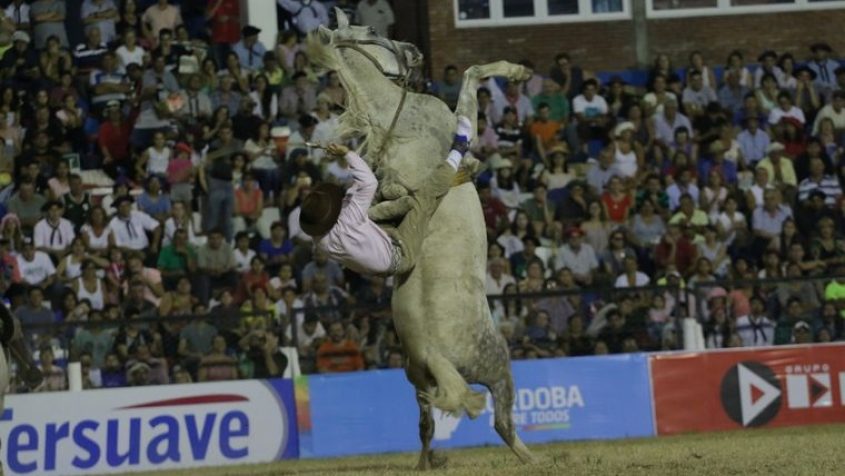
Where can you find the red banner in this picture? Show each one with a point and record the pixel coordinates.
(775, 386)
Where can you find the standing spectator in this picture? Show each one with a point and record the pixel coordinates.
(308, 15)
(48, 19)
(215, 176)
(376, 14)
(18, 13)
(338, 353)
(101, 14)
(225, 19)
(249, 50)
(158, 17)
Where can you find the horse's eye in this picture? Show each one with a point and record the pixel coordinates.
(371, 30)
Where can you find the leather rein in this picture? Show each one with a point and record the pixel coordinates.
(402, 77)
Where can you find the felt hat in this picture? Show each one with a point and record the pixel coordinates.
(250, 30)
(820, 46)
(321, 208)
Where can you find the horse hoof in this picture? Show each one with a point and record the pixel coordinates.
(437, 460)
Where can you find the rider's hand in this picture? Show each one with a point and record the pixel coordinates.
(337, 149)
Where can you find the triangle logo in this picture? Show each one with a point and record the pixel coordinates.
(750, 384)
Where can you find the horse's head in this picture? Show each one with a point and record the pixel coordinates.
(394, 59)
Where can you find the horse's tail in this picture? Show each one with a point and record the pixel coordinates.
(452, 394)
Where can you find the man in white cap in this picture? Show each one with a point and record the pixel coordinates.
(20, 60)
(781, 171)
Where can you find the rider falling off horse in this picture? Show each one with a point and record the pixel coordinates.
(339, 224)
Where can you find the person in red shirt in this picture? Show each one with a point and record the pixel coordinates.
(495, 212)
(676, 248)
(113, 139)
(617, 201)
(256, 277)
(224, 17)
(339, 354)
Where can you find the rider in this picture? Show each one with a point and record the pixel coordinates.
(12, 338)
(338, 220)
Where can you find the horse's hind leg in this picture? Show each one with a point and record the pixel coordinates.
(502, 391)
(428, 459)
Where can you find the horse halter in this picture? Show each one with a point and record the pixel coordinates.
(402, 77)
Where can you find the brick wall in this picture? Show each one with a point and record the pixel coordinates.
(606, 46)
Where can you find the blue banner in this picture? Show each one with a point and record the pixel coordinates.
(556, 399)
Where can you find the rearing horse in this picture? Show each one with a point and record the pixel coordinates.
(440, 309)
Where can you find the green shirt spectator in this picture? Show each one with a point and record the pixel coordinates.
(558, 104)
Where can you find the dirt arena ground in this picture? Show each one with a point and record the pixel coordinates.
(818, 450)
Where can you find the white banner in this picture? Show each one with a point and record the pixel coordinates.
(145, 428)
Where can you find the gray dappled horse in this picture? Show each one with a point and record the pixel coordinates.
(440, 309)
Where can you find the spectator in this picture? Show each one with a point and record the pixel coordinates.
(158, 17)
(697, 95)
(54, 376)
(217, 364)
(177, 260)
(129, 228)
(252, 278)
(48, 18)
(249, 201)
(376, 14)
(668, 122)
(216, 263)
(338, 353)
(26, 204)
(820, 181)
(824, 67)
(249, 50)
(36, 268)
(153, 201)
(90, 287)
(262, 358)
(676, 249)
(579, 257)
(53, 234)
(756, 329)
(242, 251)
(297, 99)
(591, 113)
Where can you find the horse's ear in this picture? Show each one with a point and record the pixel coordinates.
(342, 19)
(322, 34)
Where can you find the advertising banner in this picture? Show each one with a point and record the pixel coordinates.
(555, 399)
(774, 386)
(148, 428)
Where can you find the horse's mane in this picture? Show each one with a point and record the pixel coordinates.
(354, 122)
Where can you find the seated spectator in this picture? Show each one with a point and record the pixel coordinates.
(676, 249)
(129, 52)
(321, 264)
(216, 263)
(150, 278)
(697, 95)
(579, 257)
(129, 228)
(108, 83)
(243, 252)
(249, 201)
(756, 329)
(261, 356)
(732, 93)
(668, 122)
(179, 219)
(689, 215)
(196, 341)
(819, 180)
(89, 55)
(54, 376)
(614, 333)
(88, 286)
(338, 353)
(262, 154)
(54, 234)
(591, 112)
(552, 95)
(786, 109)
(617, 201)
(631, 276)
(154, 160)
(35, 267)
(112, 373)
(26, 204)
(647, 227)
(217, 364)
(113, 140)
(297, 99)
(177, 260)
(252, 278)
(158, 17)
(153, 201)
(35, 312)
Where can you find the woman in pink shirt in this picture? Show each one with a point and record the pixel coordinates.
(338, 220)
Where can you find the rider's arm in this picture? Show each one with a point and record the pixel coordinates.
(364, 187)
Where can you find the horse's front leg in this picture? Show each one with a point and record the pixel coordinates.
(467, 101)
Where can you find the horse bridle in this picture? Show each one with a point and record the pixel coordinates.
(402, 77)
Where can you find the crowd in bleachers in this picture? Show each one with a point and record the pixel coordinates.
(154, 170)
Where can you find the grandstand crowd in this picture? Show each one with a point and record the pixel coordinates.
(155, 169)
